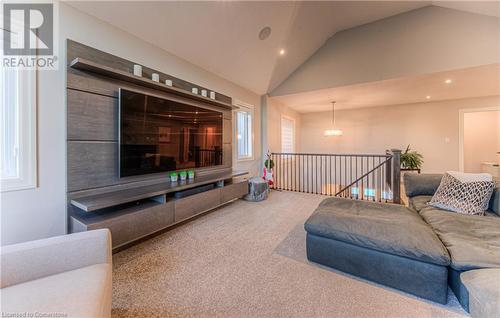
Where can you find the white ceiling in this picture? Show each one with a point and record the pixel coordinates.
(222, 36)
(466, 83)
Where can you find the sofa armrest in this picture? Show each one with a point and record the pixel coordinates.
(36, 259)
(421, 184)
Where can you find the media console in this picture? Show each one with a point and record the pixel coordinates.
(135, 206)
(132, 214)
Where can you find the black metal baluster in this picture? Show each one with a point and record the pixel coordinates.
(329, 160)
(335, 172)
(321, 174)
(294, 172)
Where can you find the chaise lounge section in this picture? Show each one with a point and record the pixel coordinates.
(417, 249)
(387, 244)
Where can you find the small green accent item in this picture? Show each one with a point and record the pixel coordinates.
(183, 175)
(411, 159)
(173, 176)
(191, 174)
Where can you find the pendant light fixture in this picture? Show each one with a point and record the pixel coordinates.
(333, 131)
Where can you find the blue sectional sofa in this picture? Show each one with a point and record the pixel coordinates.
(417, 249)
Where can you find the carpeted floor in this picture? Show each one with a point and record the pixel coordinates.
(248, 260)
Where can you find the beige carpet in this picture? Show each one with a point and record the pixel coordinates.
(248, 260)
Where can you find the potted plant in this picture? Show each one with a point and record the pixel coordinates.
(411, 160)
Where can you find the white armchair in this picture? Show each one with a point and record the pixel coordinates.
(64, 276)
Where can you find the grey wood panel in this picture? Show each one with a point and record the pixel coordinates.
(227, 155)
(91, 116)
(234, 191)
(130, 226)
(195, 204)
(75, 50)
(92, 164)
(92, 83)
(227, 131)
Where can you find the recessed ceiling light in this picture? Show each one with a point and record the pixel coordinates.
(448, 81)
(282, 52)
(427, 97)
(264, 33)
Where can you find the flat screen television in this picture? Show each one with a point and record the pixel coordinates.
(161, 135)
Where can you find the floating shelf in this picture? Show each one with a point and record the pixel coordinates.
(89, 66)
(109, 199)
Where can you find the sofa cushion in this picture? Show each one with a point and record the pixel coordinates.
(484, 291)
(388, 228)
(83, 292)
(421, 184)
(465, 193)
(419, 202)
(494, 205)
(473, 241)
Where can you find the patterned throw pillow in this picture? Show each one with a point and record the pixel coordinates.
(464, 193)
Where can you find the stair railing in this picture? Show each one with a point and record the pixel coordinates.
(372, 177)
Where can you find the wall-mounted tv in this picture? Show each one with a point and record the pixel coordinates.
(161, 135)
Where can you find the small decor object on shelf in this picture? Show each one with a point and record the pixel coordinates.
(212, 95)
(194, 90)
(155, 77)
(137, 70)
(173, 176)
(411, 160)
(204, 92)
(183, 175)
(191, 174)
(168, 82)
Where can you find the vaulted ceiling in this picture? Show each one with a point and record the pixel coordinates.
(479, 81)
(223, 36)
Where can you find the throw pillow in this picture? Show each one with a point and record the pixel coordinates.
(465, 193)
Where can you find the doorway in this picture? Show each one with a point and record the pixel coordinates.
(480, 141)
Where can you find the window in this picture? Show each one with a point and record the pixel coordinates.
(17, 129)
(287, 135)
(244, 132)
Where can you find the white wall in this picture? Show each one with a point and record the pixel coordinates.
(431, 128)
(423, 41)
(481, 139)
(275, 111)
(39, 213)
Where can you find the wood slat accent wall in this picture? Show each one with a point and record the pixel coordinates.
(92, 124)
